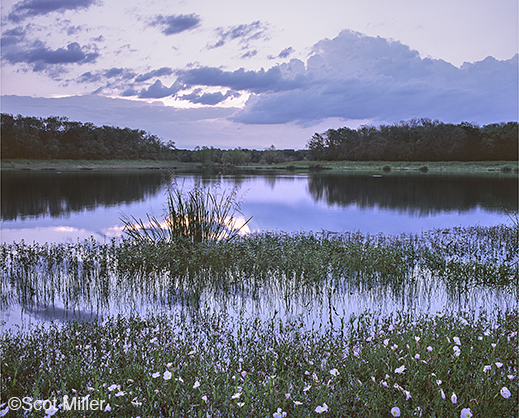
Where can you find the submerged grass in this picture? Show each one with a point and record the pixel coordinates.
(441, 365)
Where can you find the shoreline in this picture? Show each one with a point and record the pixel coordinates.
(444, 167)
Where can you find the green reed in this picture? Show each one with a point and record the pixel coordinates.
(197, 215)
(301, 266)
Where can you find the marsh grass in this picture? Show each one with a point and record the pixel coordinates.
(198, 215)
(220, 366)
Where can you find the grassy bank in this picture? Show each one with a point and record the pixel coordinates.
(443, 365)
(444, 167)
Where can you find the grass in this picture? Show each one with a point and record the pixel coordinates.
(443, 167)
(219, 366)
(198, 215)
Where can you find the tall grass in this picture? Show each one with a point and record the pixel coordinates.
(197, 215)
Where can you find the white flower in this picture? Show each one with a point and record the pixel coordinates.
(197, 384)
(457, 340)
(51, 411)
(457, 351)
(442, 393)
(505, 393)
(108, 408)
(418, 411)
(3, 412)
(298, 403)
(395, 411)
(466, 413)
(306, 389)
(279, 414)
(429, 348)
(454, 398)
(400, 369)
(155, 375)
(204, 398)
(320, 409)
(166, 375)
(334, 372)
(498, 364)
(236, 395)
(486, 368)
(407, 395)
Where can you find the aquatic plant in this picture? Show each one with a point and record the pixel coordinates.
(198, 215)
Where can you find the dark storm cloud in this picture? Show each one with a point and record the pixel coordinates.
(208, 98)
(157, 90)
(176, 23)
(155, 73)
(243, 33)
(30, 8)
(40, 57)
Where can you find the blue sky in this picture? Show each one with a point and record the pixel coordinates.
(259, 73)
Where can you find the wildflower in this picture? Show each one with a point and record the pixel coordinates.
(51, 411)
(155, 375)
(457, 351)
(306, 389)
(417, 339)
(395, 411)
(505, 393)
(108, 408)
(407, 395)
(417, 356)
(386, 342)
(3, 412)
(383, 383)
(498, 364)
(334, 372)
(240, 404)
(418, 411)
(243, 374)
(167, 375)
(486, 368)
(400, 369)
(457, 340)
(197, 384)
(204, 398)
(466, 413)
(454, 398)
(287, 395)
(438, 382)
(442, 393)
(279, 414)
(298, 403)
(429, 348)
(236, 395)
(510, 376)
(120, 393)
(320, 409)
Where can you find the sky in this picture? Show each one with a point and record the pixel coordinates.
(257, 73)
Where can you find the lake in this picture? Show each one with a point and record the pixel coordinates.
(53, 206)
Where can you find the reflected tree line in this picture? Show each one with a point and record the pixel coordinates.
(418, 140)
(421, 194)
(28, 194)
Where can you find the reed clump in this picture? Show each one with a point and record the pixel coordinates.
(198, 215)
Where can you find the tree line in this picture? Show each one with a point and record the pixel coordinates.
(58, 138)
(55, 137)
(418, 140)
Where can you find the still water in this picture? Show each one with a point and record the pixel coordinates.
(49, 206)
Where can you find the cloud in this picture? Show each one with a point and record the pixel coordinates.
(243, 33)
(208, 98)
(157, 90)
(13, 36)
(30, 8)
(251, 81)
(355, 76)
(155, 73)
(96, 76)
(174, 24)
(283, 54)
(40, 57)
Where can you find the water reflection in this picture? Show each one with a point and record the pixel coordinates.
(422, 194)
